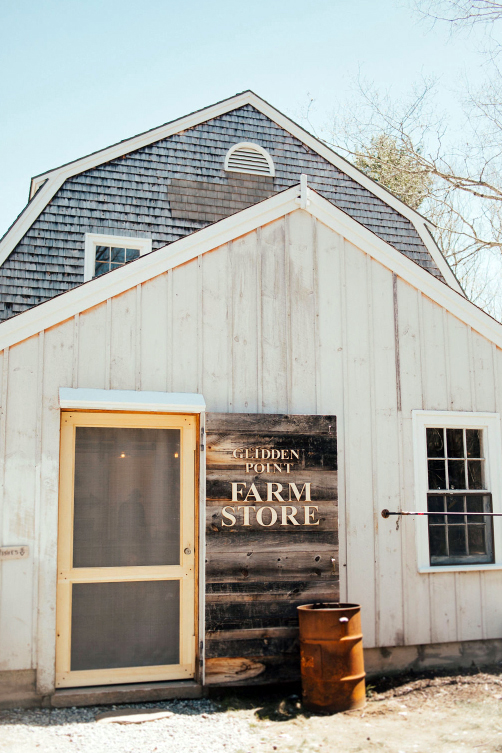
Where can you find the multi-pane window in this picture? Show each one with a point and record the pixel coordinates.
(457, 487)
(106, 252)
(111, 257)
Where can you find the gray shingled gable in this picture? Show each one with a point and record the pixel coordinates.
(130, 196)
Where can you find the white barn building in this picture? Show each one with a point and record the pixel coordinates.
(310, 326)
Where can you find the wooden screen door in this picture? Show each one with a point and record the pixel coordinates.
(126, 549)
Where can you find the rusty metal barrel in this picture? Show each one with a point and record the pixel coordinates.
(332, 661)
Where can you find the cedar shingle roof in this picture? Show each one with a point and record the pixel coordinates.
(172, 187)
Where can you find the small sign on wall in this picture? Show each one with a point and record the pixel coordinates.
(20, 552)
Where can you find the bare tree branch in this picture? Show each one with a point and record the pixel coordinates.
(407, 147)
(461, 12)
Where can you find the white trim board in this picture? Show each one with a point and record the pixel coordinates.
(96, 291)
(490, 423)
(56, 177)
(130, 400)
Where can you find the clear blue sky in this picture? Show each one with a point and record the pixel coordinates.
(78, 75)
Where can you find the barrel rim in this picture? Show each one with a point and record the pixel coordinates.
(329, 606)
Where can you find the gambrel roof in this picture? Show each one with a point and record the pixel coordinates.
(170, 181)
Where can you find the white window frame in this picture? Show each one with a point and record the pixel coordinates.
(258, 148)
(492, 448)
(143, 245)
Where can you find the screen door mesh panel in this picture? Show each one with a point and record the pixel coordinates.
(127, 624)
(126, 497)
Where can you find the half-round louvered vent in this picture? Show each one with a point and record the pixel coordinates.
(249, 158)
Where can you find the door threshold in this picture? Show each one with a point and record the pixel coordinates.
(132, 693)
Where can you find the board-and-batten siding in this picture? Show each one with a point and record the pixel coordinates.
(288, 319)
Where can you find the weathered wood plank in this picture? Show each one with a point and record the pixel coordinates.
(270, 423)
(272, 564)
(254, 634)
(235, 539)
(263, 647)
(322, 486)
(277, 612)
(278, 591)
(272, 670)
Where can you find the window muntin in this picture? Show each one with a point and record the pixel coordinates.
(111, 257)
(456, 469)
(104, 253)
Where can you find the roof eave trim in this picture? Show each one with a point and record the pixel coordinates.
(98, 290)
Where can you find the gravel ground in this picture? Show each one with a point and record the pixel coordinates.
(442, 712)
(196, 726)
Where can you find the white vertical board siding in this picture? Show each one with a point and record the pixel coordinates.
(358, 441)
(184, 334)
(437, 389)
(289, 318)
(18, 514)
(300, 304)
(153, 354)
(274, 349)
(243, 267)
(329, 248)
(216, 313)
(387, 488)
(457, 336)
(492, 582)
(58, 346)
(417, 616)
(92, 351)
(125, 320)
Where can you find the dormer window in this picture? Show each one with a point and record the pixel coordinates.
(249, 158)
(104, 253)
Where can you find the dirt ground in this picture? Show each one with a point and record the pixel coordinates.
(416, 713)
(431, 712)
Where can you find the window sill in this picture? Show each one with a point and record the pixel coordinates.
(458, 568)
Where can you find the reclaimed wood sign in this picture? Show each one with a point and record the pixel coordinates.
(272, 538)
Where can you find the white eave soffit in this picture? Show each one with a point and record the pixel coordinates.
(98, 290)
(55, 178)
